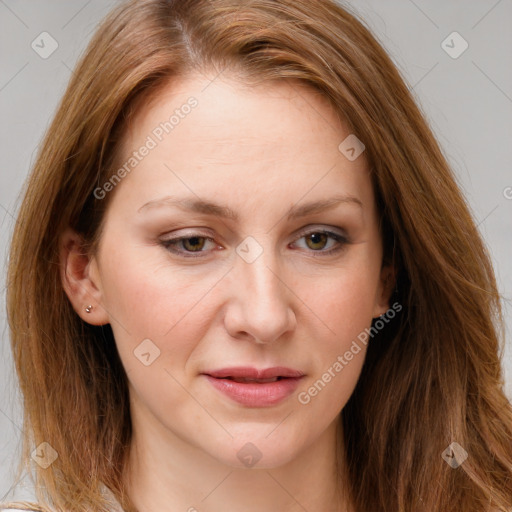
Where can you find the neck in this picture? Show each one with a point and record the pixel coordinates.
(166, 473)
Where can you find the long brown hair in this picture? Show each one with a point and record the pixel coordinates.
(432, 377)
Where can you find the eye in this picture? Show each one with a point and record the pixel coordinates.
(187, 245)
(323, 241)
(319, 242)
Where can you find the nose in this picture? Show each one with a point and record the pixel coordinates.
(260, 306)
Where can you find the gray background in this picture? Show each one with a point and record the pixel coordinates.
(467, 100)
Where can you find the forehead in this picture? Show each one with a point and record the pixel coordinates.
(226, 110)
(215, 133)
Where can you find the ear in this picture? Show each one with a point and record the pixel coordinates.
(384, 291)
(80, 278)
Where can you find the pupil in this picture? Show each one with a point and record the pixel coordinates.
(194, 243)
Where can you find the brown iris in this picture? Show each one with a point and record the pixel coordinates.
(194, 243)
(318, 240)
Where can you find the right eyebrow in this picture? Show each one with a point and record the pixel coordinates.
(193, 205)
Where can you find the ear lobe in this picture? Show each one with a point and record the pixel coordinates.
(385, 290)
(79, 282)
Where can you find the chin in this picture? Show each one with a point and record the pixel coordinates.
(258, 451)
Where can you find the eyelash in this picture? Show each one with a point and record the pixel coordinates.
(341, 241)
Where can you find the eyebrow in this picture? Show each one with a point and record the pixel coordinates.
(209, 208)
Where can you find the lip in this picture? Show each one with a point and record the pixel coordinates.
(254, 394)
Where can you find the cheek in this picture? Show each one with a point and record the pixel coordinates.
(339, 355)
(345, 301)
(145, 294)
(147, 300)
(345, 304)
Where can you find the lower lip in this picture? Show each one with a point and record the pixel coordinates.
(256, 395)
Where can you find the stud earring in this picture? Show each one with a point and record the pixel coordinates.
(88, 309)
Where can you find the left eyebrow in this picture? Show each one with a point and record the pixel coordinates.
(322, 205)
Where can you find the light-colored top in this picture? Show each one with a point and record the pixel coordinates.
(115, 506)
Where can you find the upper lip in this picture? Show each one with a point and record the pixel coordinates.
(249, 372)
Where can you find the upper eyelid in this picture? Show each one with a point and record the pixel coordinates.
(321, 229)
(315, 228)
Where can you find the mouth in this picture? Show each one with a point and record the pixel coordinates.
(259, 381)
(249, 373)
(255, 388)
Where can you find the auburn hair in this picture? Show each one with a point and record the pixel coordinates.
(430, 378)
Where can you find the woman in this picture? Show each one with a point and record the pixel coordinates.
(243, 277)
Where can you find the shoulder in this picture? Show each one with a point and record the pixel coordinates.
(21, 506)
(27, 506)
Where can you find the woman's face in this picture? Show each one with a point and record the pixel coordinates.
(241, 237)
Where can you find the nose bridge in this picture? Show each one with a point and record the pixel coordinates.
(263, 282)
(265, 308)
(255, 258)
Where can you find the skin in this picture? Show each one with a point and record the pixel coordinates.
(258, 151)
